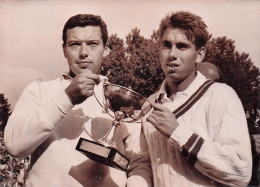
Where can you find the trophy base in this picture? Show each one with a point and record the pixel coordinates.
(107, 155)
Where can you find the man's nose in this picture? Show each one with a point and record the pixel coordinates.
(173, 51)
(84, 51)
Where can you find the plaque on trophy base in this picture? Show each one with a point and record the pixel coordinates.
(103, 154)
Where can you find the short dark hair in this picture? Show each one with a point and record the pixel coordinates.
(83, 20)
(191, 25)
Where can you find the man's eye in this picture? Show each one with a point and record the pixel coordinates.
(166, 44)
(182, 46)
(92, 43)
(74, 44)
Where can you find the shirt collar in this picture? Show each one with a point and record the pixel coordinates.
(197, 82)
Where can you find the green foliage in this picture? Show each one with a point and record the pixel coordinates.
(237, 70)
(5, 111)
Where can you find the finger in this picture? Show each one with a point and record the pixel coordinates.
(154, 122)
(151, 120)
(159, 107)
(154, 117)
(84, 80)
(157, 113)
(90, 75)
(89, 82)
(88, 87)
(87, 92)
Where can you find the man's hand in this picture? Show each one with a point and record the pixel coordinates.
(163, 120)
(82, 87)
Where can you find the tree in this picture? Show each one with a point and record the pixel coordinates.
(5, 111)
(237, 69)
(114, 66)
(135, 65)
(145, 63)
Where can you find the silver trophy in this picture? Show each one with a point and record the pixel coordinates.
(123, 105)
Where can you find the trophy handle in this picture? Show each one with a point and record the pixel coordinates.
(100, 97)
(98, 89)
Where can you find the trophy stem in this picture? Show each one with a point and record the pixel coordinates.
(108, 139)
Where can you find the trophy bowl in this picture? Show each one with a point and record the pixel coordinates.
(123, 105)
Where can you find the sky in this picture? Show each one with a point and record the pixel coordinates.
(30, 31)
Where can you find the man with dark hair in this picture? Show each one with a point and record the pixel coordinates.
(197, 133)
(81, 21)
(51, 116)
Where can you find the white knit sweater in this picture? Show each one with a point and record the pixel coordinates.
(218, 118)
(45, 124)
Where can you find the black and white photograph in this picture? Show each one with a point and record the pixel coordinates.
(116, 93)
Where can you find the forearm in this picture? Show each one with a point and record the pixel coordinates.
(27, 129)
(139, 171)
(32, 121)
(225, 162)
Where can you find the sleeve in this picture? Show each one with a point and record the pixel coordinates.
(33, 119)
(139, 171)
(225, 158)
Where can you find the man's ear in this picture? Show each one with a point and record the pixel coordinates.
(64, 50)
(201, 54)
(106, 51)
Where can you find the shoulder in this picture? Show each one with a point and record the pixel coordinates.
(40, 82)
(222, 89)
(222, 95)
(216, 88)
(51, 83)
(39, 86)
